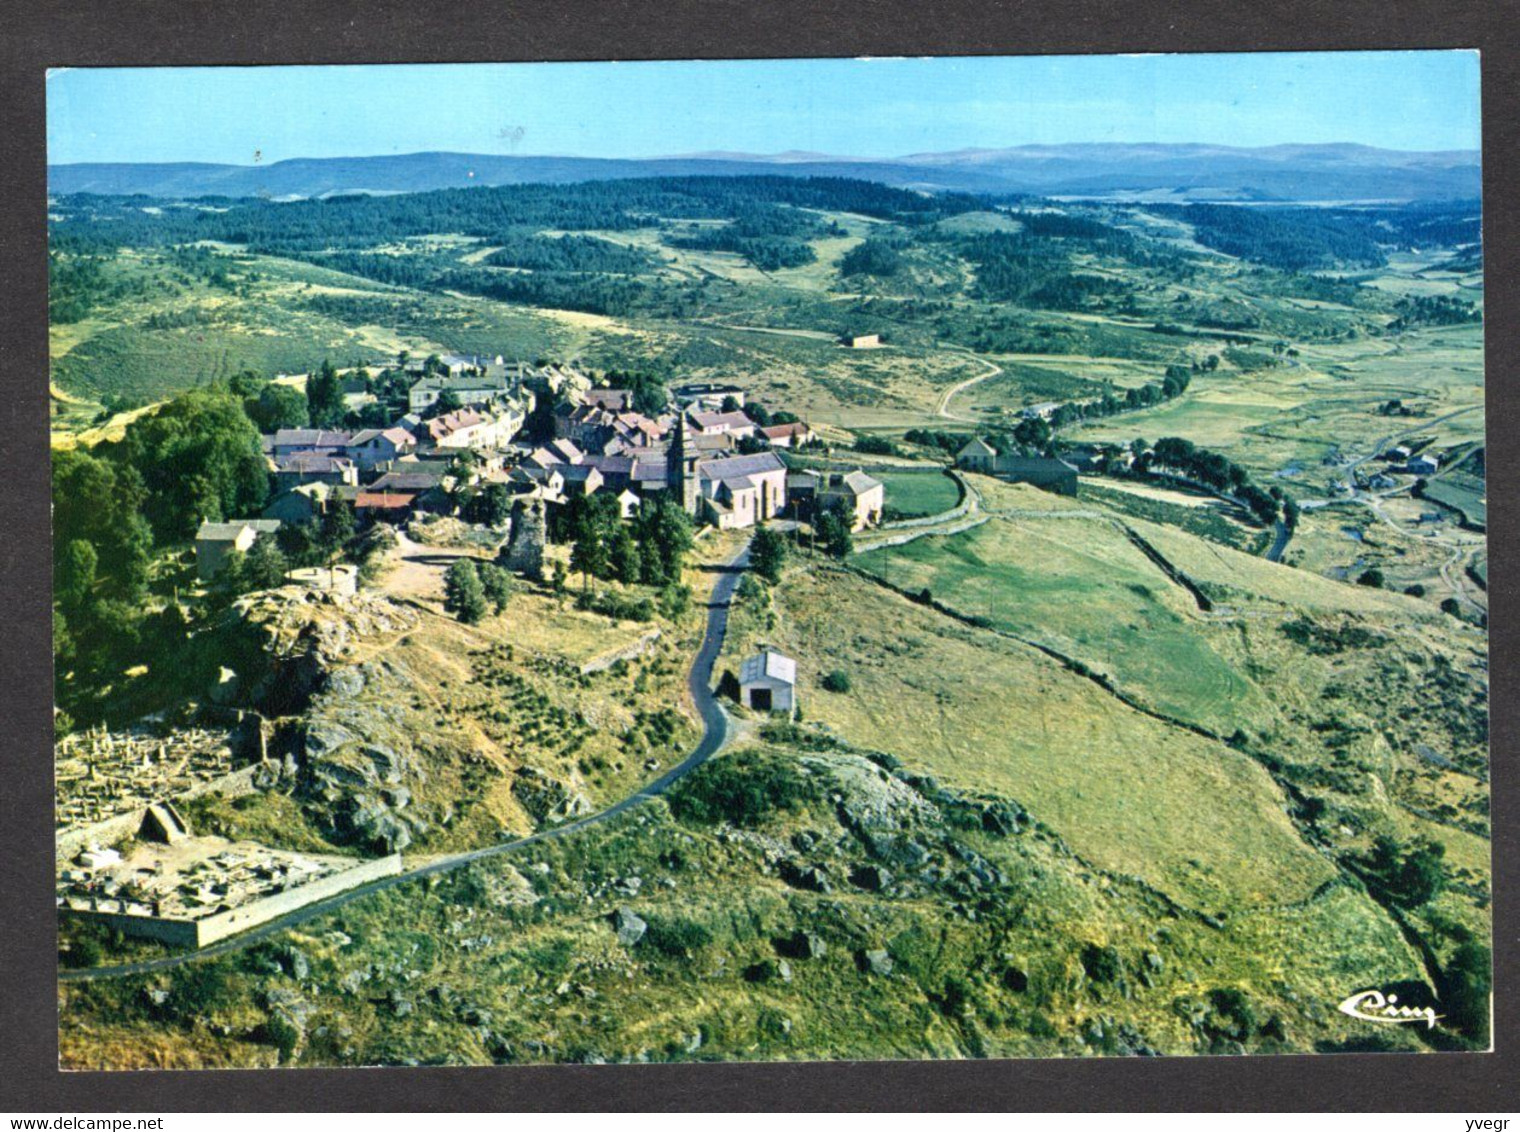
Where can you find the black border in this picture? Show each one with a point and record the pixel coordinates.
(157, 32)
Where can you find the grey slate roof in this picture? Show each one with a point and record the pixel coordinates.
(226, 532)
(768, 664)
(734, 467)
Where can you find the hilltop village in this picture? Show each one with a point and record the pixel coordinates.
(500, 455)
(540, 437)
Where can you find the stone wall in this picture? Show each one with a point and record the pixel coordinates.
(69, 842)
(220, 926)
(209, 929)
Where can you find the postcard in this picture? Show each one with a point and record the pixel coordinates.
(769, 560)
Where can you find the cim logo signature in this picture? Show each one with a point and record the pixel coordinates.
(1375, 1006)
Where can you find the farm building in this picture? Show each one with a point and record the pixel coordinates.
(1043, 411)
(861, 341)
(329, 467)
(469, 388)
(1041, 471)
(613, 400)
(723, 424)
(214, 542)
(768, 681)
(792, 435)
(387, 506)
(1423, 466)
(375, 446)
(856, 495)
(288, 441)
(802, 492)
(976, 456)
(1048, 472)
(300, 504)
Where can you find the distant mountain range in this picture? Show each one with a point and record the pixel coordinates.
(1341, 172)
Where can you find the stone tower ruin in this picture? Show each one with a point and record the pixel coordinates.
(524, 552)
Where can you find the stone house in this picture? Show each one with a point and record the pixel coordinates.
(377, 446)
(976, 456)
(215, 542)
(857, 496)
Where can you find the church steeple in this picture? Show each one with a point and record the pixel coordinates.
(681, 467)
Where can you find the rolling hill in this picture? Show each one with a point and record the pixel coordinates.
(1187, 172)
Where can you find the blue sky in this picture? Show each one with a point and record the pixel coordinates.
(852, 107)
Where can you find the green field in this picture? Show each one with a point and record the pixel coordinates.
(915, 494)
(1468, 500)
(1082, 588)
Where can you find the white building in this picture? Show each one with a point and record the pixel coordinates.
(768, 681)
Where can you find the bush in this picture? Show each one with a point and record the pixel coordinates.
(619, 607)
(875, 446)
(496, 584)
(1102, 964)
(768, 554)
(85, 951)
(675, 936)
(1407, 876)
(1372, 577)
(743, 788)
(836, 681)
(1465, 987)
(464, 596)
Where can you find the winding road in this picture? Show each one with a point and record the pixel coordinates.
(943, 408)
(714, 736)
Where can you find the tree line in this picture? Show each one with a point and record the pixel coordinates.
(278, 228)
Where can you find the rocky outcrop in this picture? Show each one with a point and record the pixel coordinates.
(299, 637)
(872, 800)
(628, 926)
(359, 763)
(546, 798)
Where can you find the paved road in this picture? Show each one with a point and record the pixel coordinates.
(714, 736)
(1280, 537)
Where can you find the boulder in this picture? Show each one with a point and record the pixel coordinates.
(628, 926)
(298, 964)
(872, 878)
(346, 683)
(877, 962)
(812, 878)
(320, 737)
(802, 945)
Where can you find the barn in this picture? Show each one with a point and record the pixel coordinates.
(768, 681)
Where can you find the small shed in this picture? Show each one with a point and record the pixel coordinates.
(768, 681)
